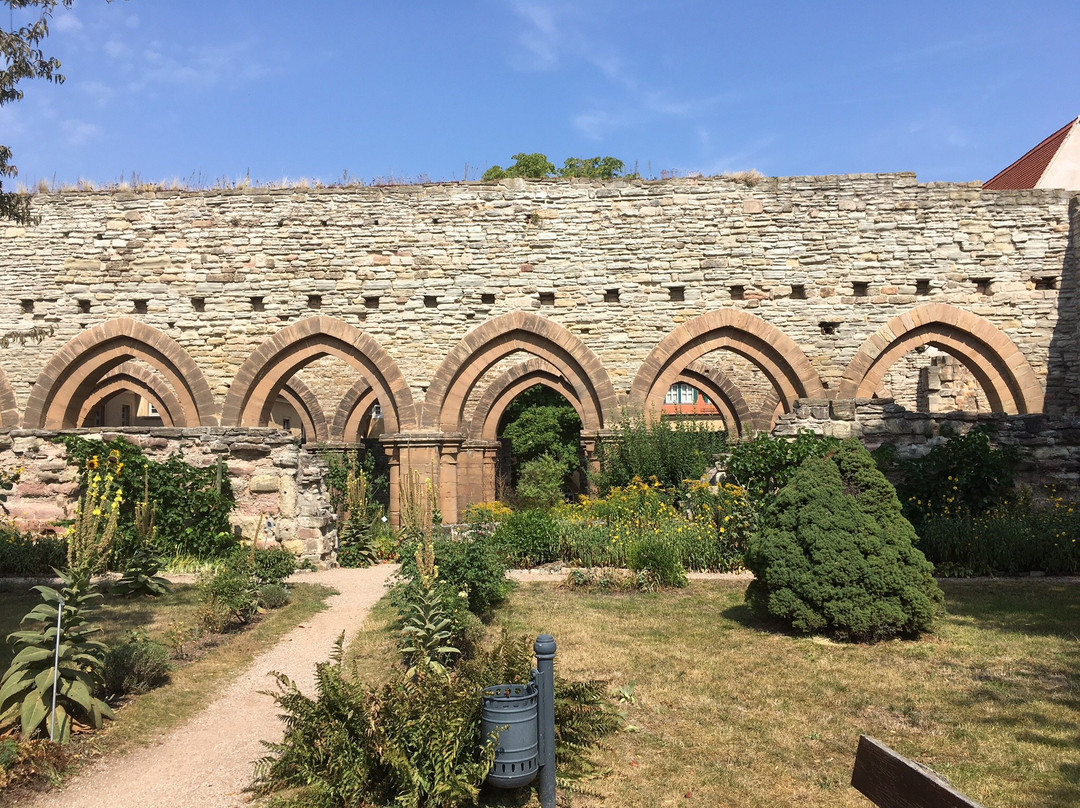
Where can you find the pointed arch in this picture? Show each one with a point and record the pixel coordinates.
(263, 375)
(486, 345)
(9, 406)
(306, 405)
(1009, 382)
(137, 379)
(76, 369)
(519, 378)
(784, 364)
(351, 420)
(738, 419)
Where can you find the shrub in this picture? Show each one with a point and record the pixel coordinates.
(764, 464)
(602, 579)
(141, 578)
(669, 451)
(25, 555)
(708, 529)
(191, 504)
(487, 512)
(527, 538)
(271, 565)
(229, 593)
(838, 557)
(657, 563)
(135, 666)
(468, 564)
(540, 482)
(273, 596)
(965, 475)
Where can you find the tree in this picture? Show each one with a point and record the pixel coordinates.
(24, 59)
(837, 556)
(536, 166)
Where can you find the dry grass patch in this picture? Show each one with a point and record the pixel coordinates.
(192, 685)
(727, 711)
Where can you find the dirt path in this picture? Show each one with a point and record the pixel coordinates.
(207, 762)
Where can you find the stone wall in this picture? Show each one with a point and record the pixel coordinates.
(445, 300)
(1048, 446)
(280, 491)
(828, 260)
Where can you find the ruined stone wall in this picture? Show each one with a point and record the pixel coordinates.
(1048, 446)
(827, 260)
(271, 478)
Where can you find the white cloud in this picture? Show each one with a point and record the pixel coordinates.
(66, 22)
(116, 49)
(540, 39)
(77, 132)
(99, 92)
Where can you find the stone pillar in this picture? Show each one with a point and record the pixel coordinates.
(414, 451)
(590, 446)
(448, 479)
(477, 471)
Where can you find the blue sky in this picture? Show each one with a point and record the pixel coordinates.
(199, 90)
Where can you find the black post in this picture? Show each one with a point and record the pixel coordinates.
(544, 647)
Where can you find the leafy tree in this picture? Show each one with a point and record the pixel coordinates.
(544, 431)
(536, 166)
(24, 59)
(601, 168)
(531, 166)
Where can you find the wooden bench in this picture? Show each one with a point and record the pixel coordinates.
(890, 780)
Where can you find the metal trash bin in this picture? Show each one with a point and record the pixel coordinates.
(511, 711)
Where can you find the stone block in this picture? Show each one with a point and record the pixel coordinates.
(264, 484)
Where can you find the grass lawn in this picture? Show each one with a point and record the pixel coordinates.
(726, 711)
(192, 685)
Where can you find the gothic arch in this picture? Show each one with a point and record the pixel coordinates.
(75, 370)
(138, 379)
(773, 352)
(351, 419)
(306, 405)
(738, 419)
(265, 373)
(484, 346)
(516, 380)
(9, 407)
(1010, 384)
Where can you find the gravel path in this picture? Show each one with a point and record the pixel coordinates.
(207, 762)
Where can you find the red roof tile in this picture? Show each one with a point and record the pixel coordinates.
(1026, 171)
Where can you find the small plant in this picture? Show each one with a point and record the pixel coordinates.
(273, 596)
(230, 593)
(272, 565)
(357, 544)
(657, 564)
(91, 535)
(178, 634)
(141, 578)
(527, 538)
(26, 689)
(135, 666)
(540, 482)
(669, 452)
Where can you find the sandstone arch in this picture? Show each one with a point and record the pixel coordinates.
(137, 379)
(351, 420)
(265, 373)
(767, 347)
(738, 419)
(519, 378)
(1002, 371)
(485, 345)
(75, 371)
(306, 405)
(9, 406)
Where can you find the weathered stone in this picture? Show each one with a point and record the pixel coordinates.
(264, 484)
